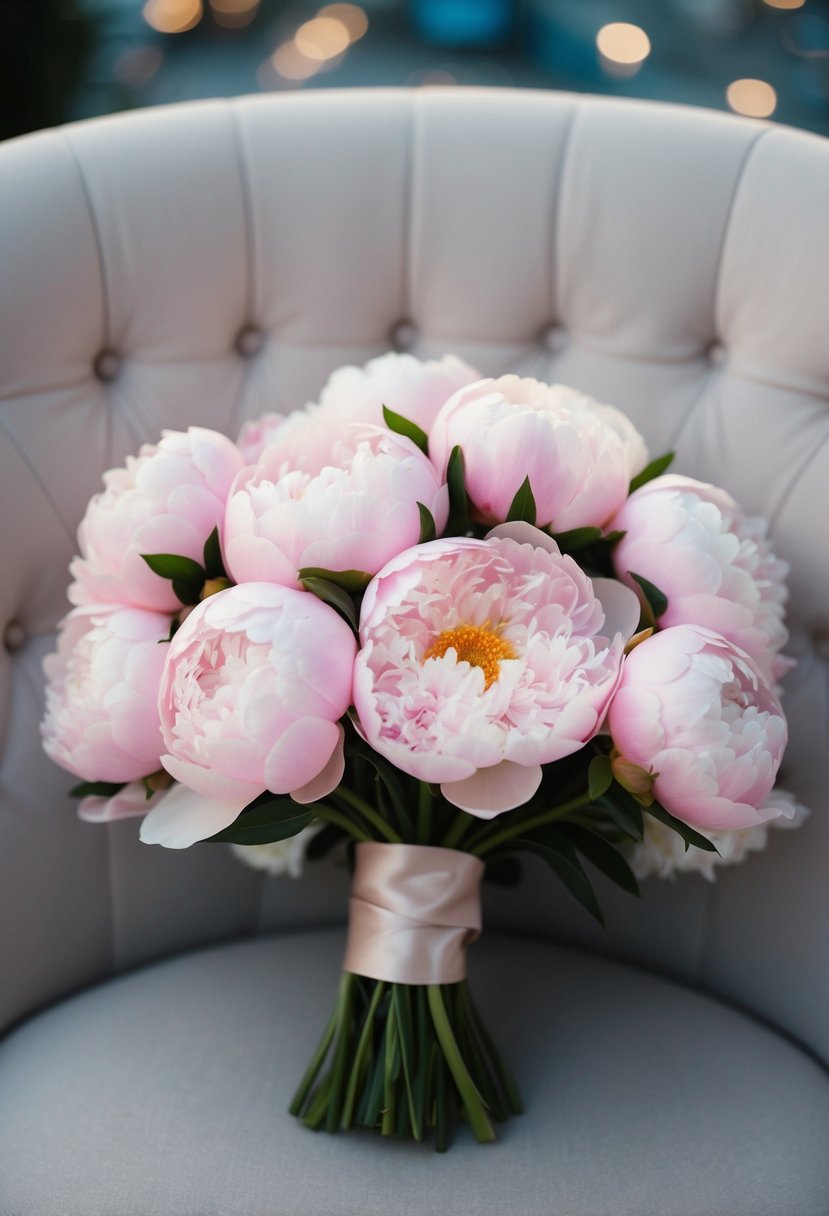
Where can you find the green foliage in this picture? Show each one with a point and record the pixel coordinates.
(333, 595)
(522, 508)
(428, 530)
(655, 600)
(655, 469)
(96, 789)
(404, 426)
(458, 522)
(264, 822)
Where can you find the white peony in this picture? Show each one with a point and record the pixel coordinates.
(278, 856)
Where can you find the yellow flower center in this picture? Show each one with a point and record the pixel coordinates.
(475, 644)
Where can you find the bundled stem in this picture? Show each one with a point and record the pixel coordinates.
(409, 1061)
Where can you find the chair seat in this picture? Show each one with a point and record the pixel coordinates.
(164, 1093)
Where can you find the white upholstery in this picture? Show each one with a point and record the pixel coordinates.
(204, 263)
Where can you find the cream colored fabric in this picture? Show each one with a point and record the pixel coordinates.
(203, 263)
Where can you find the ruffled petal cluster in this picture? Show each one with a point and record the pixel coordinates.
(101, 719)
(342, 502)
(579, 455)
(483, 660)
(253, 685)
(168, 499)
(695, 710)
(714, 563)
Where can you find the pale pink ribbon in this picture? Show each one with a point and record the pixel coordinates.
(413, 910)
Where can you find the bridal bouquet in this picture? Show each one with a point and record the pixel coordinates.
(448, 620)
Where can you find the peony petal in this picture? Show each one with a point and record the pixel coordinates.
(621, 608)
(183, 817)
(301, 754)
(132, 800)
(524, 534)
(490, 791)
(210, 783)
(326, 780)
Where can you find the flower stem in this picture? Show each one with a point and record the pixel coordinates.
(360, 1055)
(323, 811)
(424, 813)
(460, 826)
(488, 843)
(478, 1118)
(368, 812)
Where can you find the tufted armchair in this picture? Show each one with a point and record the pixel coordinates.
(205, 263)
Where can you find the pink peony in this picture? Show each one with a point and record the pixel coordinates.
(129, 802)
(254, 684)
(407, 385)
(481, 660)
(344, 504)
(714, 564)
(579, 455)
(694, 709)
(168, 499)
(101, 719)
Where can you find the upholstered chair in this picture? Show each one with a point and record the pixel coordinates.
(205, 263)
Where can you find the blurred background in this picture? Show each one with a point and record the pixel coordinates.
(66, 59)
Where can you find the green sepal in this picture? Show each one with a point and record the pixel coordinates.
(654, 469)
(604, 856)
(428, 530)
(613, 538)
(522, 508)
(276, 819)
(599, 777)
(188, 593)
(458, 521)
(334, 596)
(577, 538)
(96, 789)
(656, 600)
(404, 426)
(214, 566)
(352, 581)
(688, 834)
(556, 849)
(174, 566)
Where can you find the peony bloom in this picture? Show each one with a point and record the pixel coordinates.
(481, 660)
(101, 719)
(347, 503)
(579, 455)
(662, 852)
(695, 710)
(409, 386)
(168, 499)
(714, 564)
(254, 684)
(278, 857)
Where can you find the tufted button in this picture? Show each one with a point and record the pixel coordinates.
(553, 337)
(717, 354)
(14, 636)
(822, 644)
(107, 365)
(249, 341)
(403, 336)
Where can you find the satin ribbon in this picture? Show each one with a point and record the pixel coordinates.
(413, 910)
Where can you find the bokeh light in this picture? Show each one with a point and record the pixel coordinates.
(754, 98)
(623, 47)
(291, 64)
(787, 4)
(173, 16)
(349, 15)
(322, 38)
(234, 14)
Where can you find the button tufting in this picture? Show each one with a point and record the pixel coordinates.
(716, 354)
(14, 636)
(553, 337)
(403, 336)
(249, 341)
(106, 366)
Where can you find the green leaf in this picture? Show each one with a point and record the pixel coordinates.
(604, 856)
(654, 469)
(623, 810)
(577, 538)
(428, 531)
(388, 775)
(688, 834)
(334, 596)
(613, 538)
(553, 846)
(352, 581)
(188, 593)
(96, 789)
(522, 507)
(173, 566)
(599, 777)
(404, 426)
(656, 600)
(214, 567)
(276, 819)
(458, 522)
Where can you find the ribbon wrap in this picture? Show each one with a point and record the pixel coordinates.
(413, 910)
